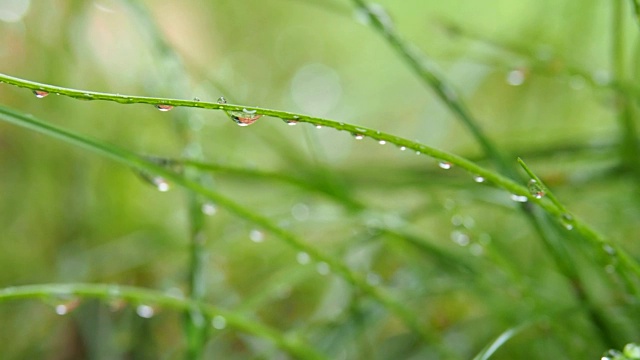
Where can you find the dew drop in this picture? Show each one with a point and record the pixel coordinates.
(209, 208)
(382, 142)
(303, 258)
(403, 148)
(460, 238)
(567, 221)
(516, 77)
(164, 107)
(219, 322)
(61, 309)
(519, 198)
(323, 268)
(196, 99)
(476, 249)
(40, 93)
(443, 164)
(358, 136)
(478, 178)
(609, 249)
(160, 183)
(244, 118)
(418, 153)
(222, 100)
(290, 122)
(318, 126)
(66, 307)
(535, 189)
(145, 311)
(256, 236)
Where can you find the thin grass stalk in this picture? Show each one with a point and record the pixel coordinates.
(295, 346)
(490, 176)
(629, 149)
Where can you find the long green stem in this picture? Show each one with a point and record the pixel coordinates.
(489, 175)
(295, 346)
(629, 149)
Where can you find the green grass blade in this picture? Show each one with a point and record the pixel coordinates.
(294, 346)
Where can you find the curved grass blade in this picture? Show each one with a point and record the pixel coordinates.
(294, 346)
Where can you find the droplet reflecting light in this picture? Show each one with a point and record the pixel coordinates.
(164, 107)
(40, 93)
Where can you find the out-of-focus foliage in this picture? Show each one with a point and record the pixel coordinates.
(461, 255)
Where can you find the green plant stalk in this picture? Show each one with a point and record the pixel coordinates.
(295, 346)
(636, 10)
(490, 176)
(429, 75)
(445, 92)
(195, 326)
(629, 149)
(130, 159)
(349, 202)
(569, 270)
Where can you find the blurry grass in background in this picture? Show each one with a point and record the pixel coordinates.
(537, 75)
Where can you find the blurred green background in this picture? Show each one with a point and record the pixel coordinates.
(537, 74)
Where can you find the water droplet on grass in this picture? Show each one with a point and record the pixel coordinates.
(609, 249)
(209, 208)
(222, 100)
(403, 148)
(256, 236)
(460, 238)
(318, 126)
(245, 117)
(382, 142)
(567, 221)
(40, 93)
(535, 189)
(219, 322)
(161, 184)
(196, 99)
(519, 198)
(358, 136)
(164, 107)
(290, 122)
(443, 164)
(145, 311)
(323, 268)
(516, 77)
(67, 306)
(478, 178)
(303, 258)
